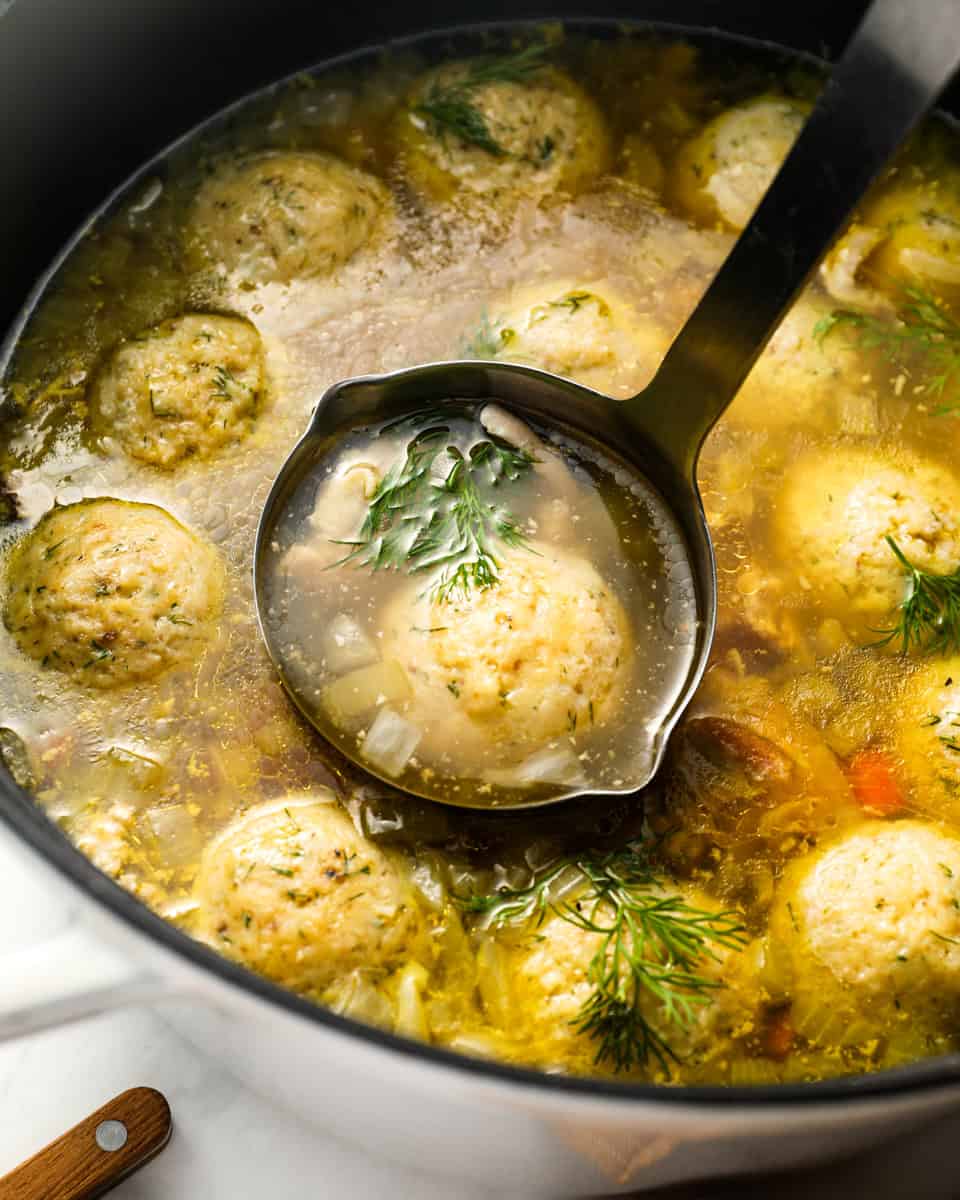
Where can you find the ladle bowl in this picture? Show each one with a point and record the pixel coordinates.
(544, 400)
(842, 148)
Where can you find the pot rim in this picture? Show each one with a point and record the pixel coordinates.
(20, 813)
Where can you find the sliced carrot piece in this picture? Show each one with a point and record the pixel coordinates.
(778, 1036)
(874, 782)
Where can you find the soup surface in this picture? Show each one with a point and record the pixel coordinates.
(785, 904)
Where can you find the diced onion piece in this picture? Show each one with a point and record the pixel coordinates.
(818, 1019)
(775, 969)
(368, 687)
(142, 770)
(178, 908)
(566, 884)
(176, 831)
(939, 267)
(453, 946)
(554, 764)
(477, 1045)
(346, 647)
(493, 982)
(355, 996)
(411, 1016)
(390, 742)
(427, 878)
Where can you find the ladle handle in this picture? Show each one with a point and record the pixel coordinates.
(898, 61)
(93, 1157)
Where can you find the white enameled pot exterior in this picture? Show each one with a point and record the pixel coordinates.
(521, 1138)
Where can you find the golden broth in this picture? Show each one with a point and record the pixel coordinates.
(803, 736)
(456, 668)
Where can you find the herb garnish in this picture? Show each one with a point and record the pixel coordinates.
(576, 300)
(450, 108)
(923, 327)
(929, 615)
(493, 337)
(489, 339)
(348, 860)
(653, 944)
(224, 380)
(431, 511)
(101, 653)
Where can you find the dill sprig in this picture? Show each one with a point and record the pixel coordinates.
(493, 337)
(929, 615)
(450, 108)
(923, 328)
(432, 511)
(451, 111)
(652, 948)
(489, 339)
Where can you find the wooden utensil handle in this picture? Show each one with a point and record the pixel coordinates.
(96, 1154)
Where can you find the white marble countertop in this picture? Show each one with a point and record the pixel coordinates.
(228, 1144)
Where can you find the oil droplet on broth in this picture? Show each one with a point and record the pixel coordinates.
(480, 612)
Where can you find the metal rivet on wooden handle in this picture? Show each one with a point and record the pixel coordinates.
(96, 1154)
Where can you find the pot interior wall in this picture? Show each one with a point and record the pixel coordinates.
(91, 88)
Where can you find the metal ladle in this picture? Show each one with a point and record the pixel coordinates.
(892, 71)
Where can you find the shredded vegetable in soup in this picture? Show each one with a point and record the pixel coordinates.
(492, 604)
